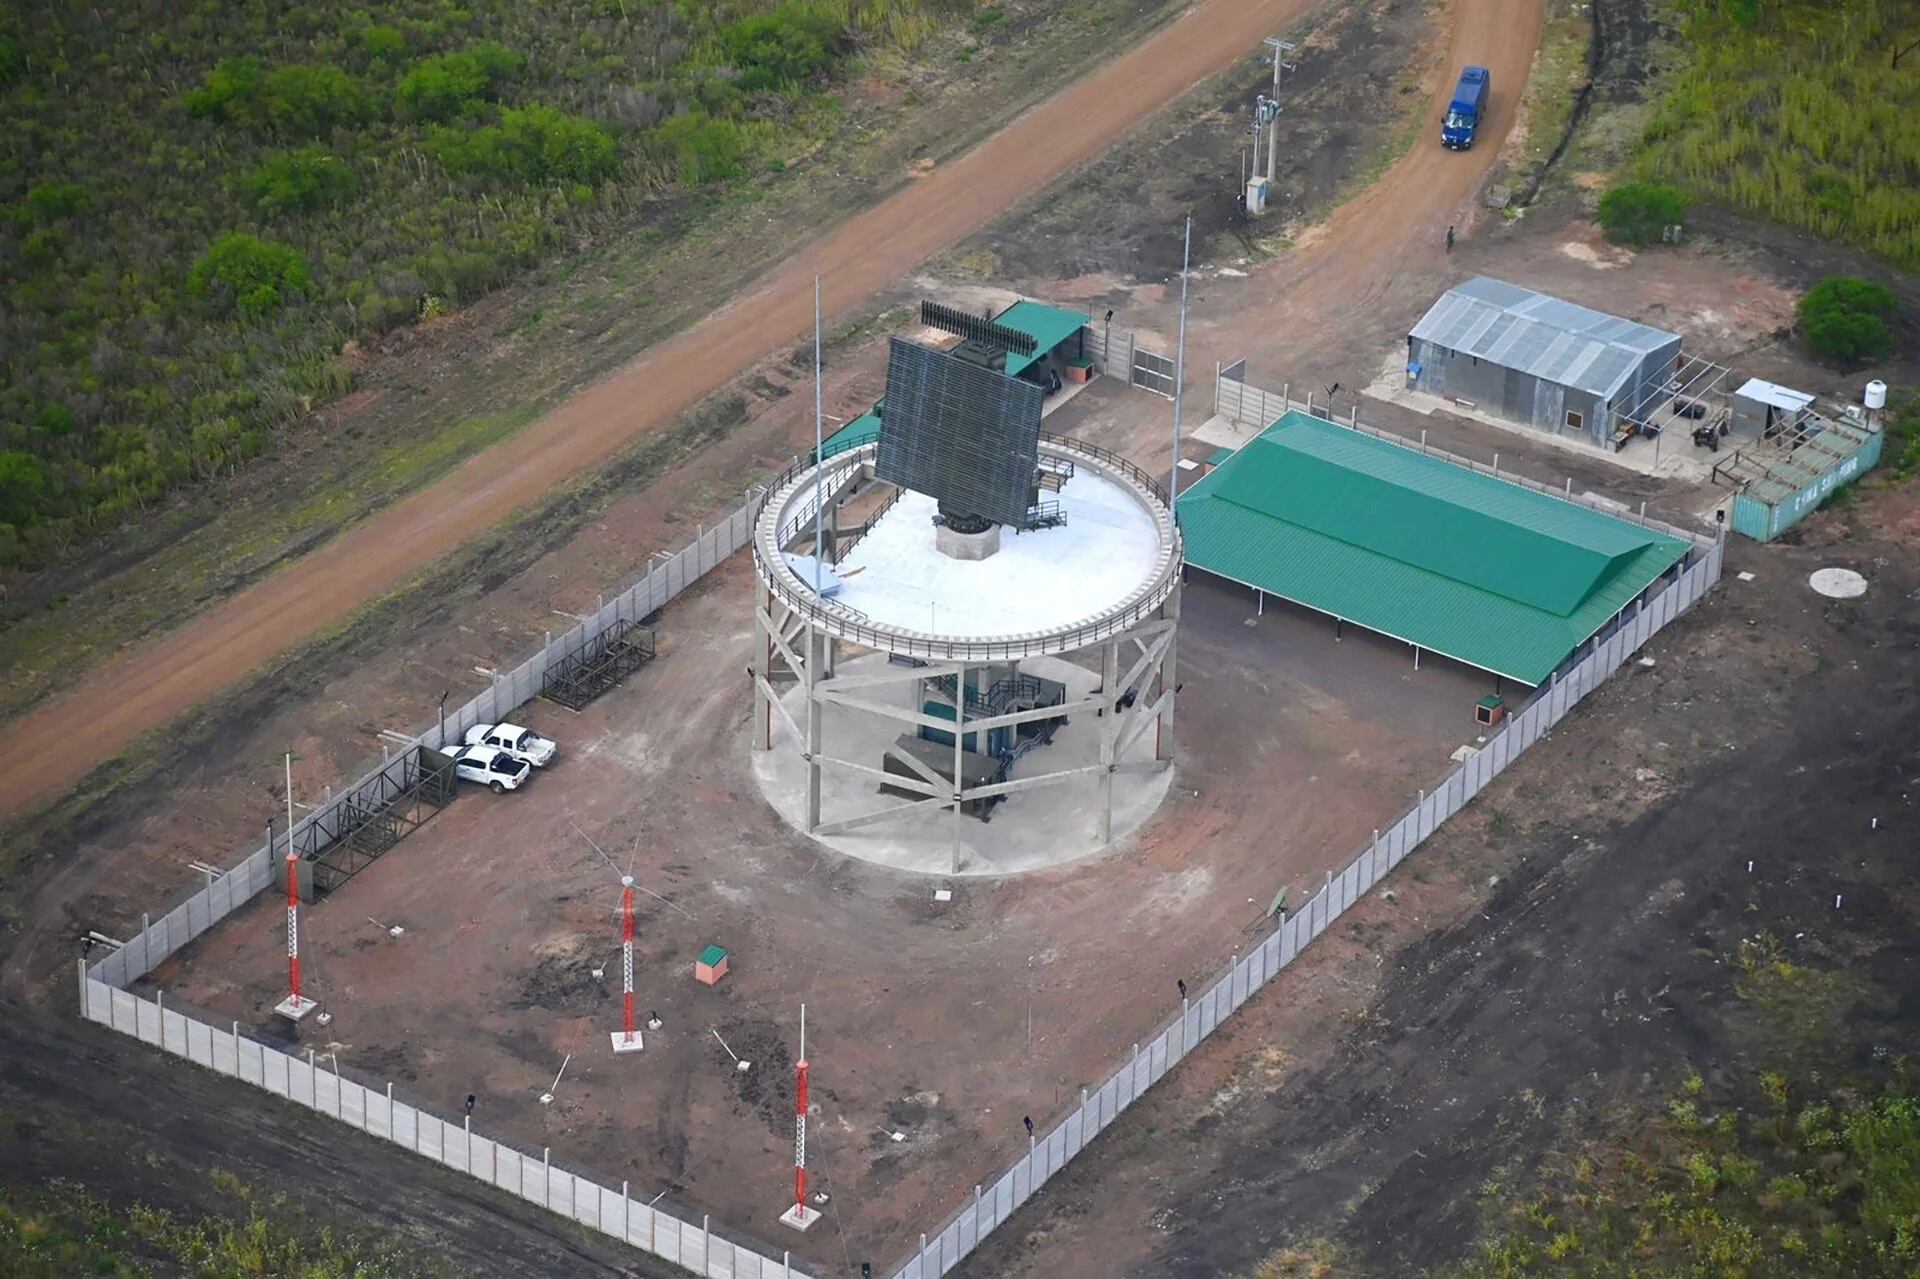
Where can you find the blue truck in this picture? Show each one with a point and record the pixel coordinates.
(1464, 114)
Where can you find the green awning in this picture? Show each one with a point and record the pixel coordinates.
(864, 429)
(1460, 563)
(1049, 326)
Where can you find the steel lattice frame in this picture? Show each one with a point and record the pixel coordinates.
(797, 635)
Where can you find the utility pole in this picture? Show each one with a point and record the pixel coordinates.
(1266, 114)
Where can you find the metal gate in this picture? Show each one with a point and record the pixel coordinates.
(1153, 373)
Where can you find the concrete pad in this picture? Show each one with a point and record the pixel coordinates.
(294, 1007)
(1032, 830)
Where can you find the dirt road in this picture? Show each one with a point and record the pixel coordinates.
(144, 689)
(1354, 267)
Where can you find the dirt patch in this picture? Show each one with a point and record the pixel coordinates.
(766, 1089)
(563, 980)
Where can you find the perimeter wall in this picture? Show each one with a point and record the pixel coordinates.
(105, 1000)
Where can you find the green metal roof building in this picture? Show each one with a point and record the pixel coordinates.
(1417, 548)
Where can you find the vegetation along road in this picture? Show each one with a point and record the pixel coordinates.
(145, 688)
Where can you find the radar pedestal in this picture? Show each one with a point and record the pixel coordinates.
(955, 544)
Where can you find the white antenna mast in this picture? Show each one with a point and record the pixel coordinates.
(819, 444)
(1180, 361)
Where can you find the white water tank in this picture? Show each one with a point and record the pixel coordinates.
(1876, 395)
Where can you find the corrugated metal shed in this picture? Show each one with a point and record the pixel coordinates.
(1459, 563)
(1542, 336)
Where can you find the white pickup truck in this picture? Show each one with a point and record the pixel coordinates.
(491, 767)
(521, 743)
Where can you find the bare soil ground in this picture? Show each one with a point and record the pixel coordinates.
(1556, 947)
(1295, 746)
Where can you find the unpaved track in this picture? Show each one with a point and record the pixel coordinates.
(57, 743)
(1347, 271)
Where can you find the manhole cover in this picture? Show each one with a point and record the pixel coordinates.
(1838, 583)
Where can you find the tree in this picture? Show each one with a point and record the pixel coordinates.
(50, 201)
(294, 99)
(1639, 212)
(441, 88)
(307, 178)
(248, 273)
(24, 488)
(1844, 318)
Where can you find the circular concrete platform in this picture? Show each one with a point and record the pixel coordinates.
(1838, 583)
(1032, 830)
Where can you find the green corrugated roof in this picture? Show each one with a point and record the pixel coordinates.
(1218, 456)
(712, 955)
(1460, 563)
(1049, 325)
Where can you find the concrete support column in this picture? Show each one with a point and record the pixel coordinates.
(763, 671)
(1109, 727)
(816, 642)
(1169, 678)
(959, 741)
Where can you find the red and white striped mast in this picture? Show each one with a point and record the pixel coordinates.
(295, 1005)
(800, 1216)
(627, 1039)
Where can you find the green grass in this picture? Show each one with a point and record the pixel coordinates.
(61, 1231)
(1553, 85)
(650, 274)
(201, 205)
(1792, 110)
(1808, 1181)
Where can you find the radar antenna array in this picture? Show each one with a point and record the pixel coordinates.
(975, 329)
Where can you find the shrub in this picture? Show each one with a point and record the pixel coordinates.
(294, 99)
(1844, 318)
(1903, 432)
(10, 61)
(25, 486)
(537, 144)
(441, 88)
(307, 101)
(381, 43)
(304, 179)
(704, 149)
(780, 49)
(55, 420)
(251, 274)
(226, 90)
(51, 200)
(1638, 212)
